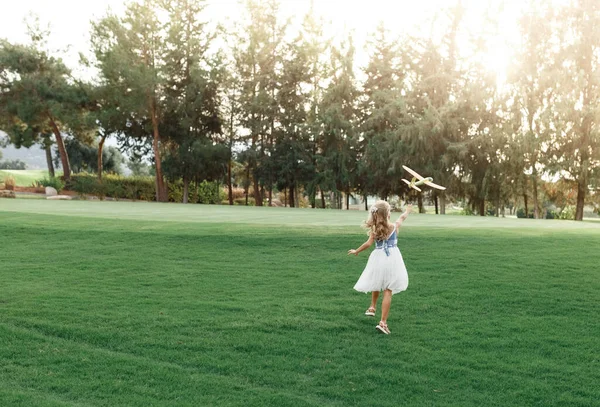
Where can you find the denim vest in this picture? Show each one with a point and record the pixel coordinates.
(390, 242)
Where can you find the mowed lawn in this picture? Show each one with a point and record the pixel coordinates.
(25, 178)
(137, 304)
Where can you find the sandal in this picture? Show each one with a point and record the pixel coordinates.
(370, 312)
(383, 328)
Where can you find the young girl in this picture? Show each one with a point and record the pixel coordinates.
(385, 269)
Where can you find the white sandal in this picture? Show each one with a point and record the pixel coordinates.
(383, 328)
(370, 312)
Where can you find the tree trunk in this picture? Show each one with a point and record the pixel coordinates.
(443, 204)
(525, 203)
(292, 198)
(64, 157)
(482, 207)
(270, 195)
(536, 211)
(297, 195)
(100, 147)
(497, 208)
(366, 203)
(247, 183)
(285, 197)
(347, 200)
(257, 197)
(420, 203)
(186, 188)
(435, 199)
(229, 186)
(322, 199)
(161, 192)
(581, 192)
(48, 149)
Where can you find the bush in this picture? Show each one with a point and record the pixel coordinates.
(521, 214)
(467, 211)
(242, 201)
(176, 191)
(9, 183)
(568, 213)
(114, 186)
(550, 214)
(210, 193)
(52, 182)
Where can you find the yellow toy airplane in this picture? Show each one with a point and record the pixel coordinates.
(419, 180)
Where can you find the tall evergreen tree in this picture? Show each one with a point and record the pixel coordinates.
(575, 148)
(129, 52)
(338, 115)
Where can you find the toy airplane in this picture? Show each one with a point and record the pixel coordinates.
(419, 180)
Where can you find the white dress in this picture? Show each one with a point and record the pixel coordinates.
(385, 269)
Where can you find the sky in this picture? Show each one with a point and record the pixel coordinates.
(70, 21)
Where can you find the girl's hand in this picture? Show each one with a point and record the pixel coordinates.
(409, 208)
(352, 251)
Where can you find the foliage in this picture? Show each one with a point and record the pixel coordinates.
(12, 165)
(53, 182)
(114, 186)
(84, 157)
(9, 183)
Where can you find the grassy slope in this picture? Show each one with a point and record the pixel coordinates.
(235, 309)
(24, 178)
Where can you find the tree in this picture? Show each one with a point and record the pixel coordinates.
(575, 146)
(532, 87)
(315, 48)
(383, 112)
(38, 96)
(84, 157)
(192, 99)
(258, 62)
(129, 53)
(338, 117)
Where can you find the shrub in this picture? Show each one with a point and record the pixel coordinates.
(568, 213)
(242, 201)
(52, 182)
(176, 191)
(210, 193)
(467, 211)
(521, 214)
(9, 183)
(114, 186)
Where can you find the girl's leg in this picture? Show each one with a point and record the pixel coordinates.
(385, 305)
(374, 297)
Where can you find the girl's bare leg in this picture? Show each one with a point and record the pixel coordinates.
(374, 297)
(385, 305)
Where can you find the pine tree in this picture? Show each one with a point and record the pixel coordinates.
(129, 52)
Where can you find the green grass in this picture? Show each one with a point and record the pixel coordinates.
(137, 304)
(25, 178)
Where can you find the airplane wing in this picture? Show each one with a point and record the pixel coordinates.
(431, 184)
(417, 188)
(414, 174)
(407, 182)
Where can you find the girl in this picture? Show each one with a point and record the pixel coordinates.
(385, 269)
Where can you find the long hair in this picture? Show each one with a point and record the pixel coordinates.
(377, 223)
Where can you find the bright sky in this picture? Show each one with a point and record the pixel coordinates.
(69, 21)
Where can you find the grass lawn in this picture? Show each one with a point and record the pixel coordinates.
(139, 304)
(24, 178)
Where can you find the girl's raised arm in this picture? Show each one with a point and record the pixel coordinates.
(403, 217)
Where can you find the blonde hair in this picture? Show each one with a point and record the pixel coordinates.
(377, 223)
